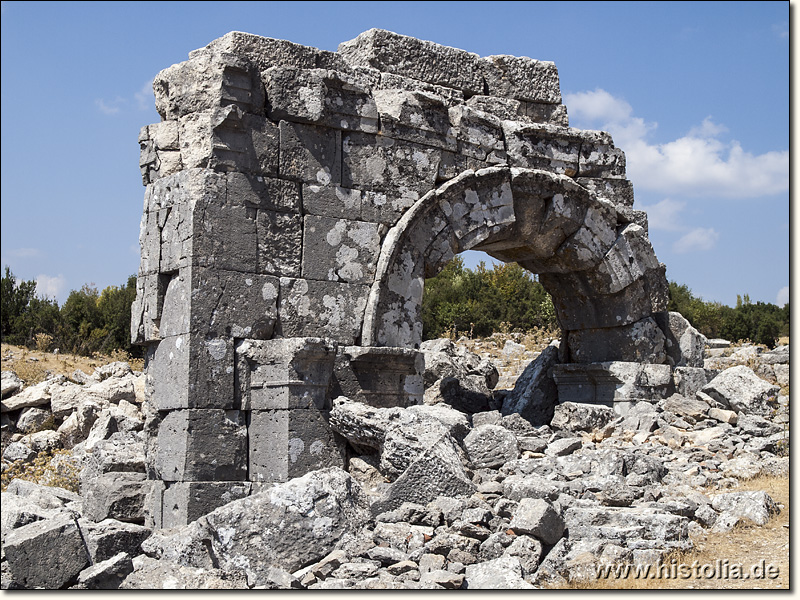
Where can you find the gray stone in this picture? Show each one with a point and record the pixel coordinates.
(106, 575)
(10, 384)
(117, 496)
(685, 345)
(490, 446)
(35, 395)
(499, 574)
(686, 406)
(151, 574)
(535, 394)
(110, 537)
(435, 472)
(537, 517)
(758, 507)
(563, 446)
(46, 554)
(573, 416)
(739, 389)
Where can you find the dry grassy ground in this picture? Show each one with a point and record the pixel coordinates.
(755, 548)
(33, 366)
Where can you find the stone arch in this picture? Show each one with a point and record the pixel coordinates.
(599, 267)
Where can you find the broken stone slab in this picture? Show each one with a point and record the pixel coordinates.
(114, 495)
(435, 472)
(575, 416)
(689, 380)
(309, 516)
(406, 439)
(19, 511)
(563, 446)
(35, 395)
(535, 393)
(107, 574)
(490, 446)
(642, 528)
(46, 554)
(110, 537)
(757, 507)
(501, 573)
(685, 345)
(685, 406)
(739, 389)
(151, 574)
(537, 517)
(10, 384)
(361, 424)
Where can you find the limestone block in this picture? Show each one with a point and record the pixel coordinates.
(491, 446)
(554, 114)
(579, 307)
(184, 502)
(572, 416)
(599, 157)
(629, 259)
(227, 139)
(479, 134)
(503, 108)
(541, 146)
(45, 554)
(618, 191)
(310, 154)
(504, 573)
(284, 444)
(641, 342)
(214, 303)
(537, 517)
(739, 389)
(521, 78)
(389, 81)
(377, 376)
(612, 383)
(264, 193)
(535, 394)
(404, 170)
(415, 116)
(207, 81)
(202, 445)
(417, 59)
(115, 495)
(321, 97)
(332, 309)
(146, 309)
(685, 345)
(149, 240)
(340, 250)
(190, 371)
(436, 472)
(285, 373)
(632, 527)
(279, 241)
(109, 537)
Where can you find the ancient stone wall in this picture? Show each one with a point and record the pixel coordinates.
(296, 199)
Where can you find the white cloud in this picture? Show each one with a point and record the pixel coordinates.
(697, 239)
(664, 215)
(781, 30)
(145, 97)
(26, 252)
(697, 164)
(783, 296)
(109, 108)
(50, 287)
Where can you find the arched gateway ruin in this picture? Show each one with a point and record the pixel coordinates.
(297, 199)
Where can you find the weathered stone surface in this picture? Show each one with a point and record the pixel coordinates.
(504, 573)
(572, 416)
(107, 574)
(150, 574)
(10, 384)
(490, 446)
(46, 554)
(235, 532)
(685, 345)
(758, 507)
(117, 496)
(537, 517)
(742, 390)
(436, 472)
(110, 537)
(535, 394)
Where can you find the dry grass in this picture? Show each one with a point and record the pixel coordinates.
(747, 546)
(18, 359)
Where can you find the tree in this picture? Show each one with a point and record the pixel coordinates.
(15, 303)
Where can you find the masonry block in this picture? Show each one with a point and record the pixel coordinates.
(340, 249)
(202, 445)
(279, 243)
(191, 371)
(284, 373)
(377, 376)
(184, 502)
(264, 193)
(289, 443)
(327, 308)
(310, 154)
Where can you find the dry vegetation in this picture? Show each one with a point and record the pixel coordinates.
(747, 546)
(33, 366)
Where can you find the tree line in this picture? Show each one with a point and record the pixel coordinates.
(88, 322)
(457, 301)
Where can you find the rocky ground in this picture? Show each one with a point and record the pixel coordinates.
(459, 492)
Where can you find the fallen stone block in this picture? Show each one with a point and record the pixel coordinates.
(538, 518)
(504, 573)
(739, 389)
(491, 446)
(46, 554)
(757, 507)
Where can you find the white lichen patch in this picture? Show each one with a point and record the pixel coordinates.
(296, 447)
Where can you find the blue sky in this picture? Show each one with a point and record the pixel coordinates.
(695, 93)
